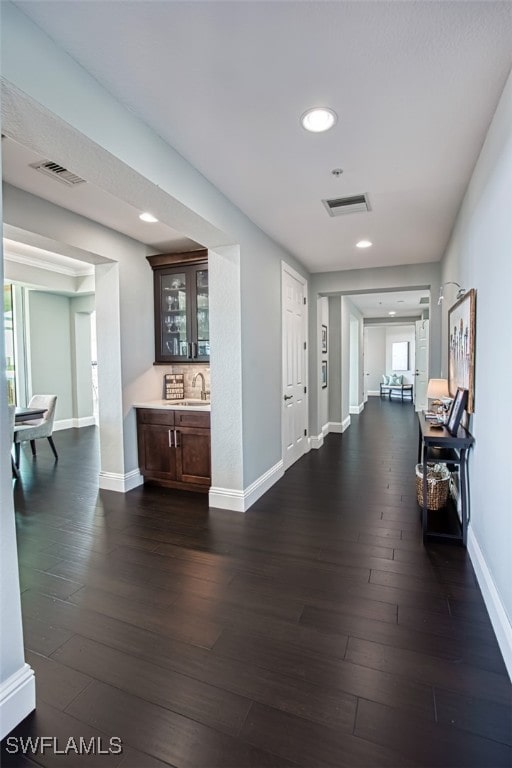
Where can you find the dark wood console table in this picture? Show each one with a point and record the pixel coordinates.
(439, 446)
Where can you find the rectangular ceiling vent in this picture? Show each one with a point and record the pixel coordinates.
(56, 171)
(340, 206)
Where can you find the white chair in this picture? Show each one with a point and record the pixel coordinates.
(33, 430)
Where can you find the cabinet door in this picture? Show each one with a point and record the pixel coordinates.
(193, 455)
(182, 314)
(173, 332)
(157, 454)
(201, 318)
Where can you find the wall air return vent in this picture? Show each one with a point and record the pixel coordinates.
(56, 171)
(340, 206)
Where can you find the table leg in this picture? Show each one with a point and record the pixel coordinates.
(463, 494)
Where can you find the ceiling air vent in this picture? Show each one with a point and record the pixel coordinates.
(56, 171)
(340, 206)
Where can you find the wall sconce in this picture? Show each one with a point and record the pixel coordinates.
(460, 292)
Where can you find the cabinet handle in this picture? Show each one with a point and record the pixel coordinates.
(189, 347)
(170, 438)
(194, 346)
(176, 433)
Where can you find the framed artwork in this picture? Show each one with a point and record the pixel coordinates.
(324, 374)
(400, 356)
(461, 347)
(324, 339)
(459, 404)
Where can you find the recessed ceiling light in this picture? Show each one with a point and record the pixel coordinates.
(392, 312)
(148, 217)
(364, 244)
(318, 119)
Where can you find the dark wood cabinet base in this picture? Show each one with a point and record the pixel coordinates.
(174, 448)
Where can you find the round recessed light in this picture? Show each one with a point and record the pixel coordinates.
(318, 119)
(392, 312)
(364, 244)
(148, 217)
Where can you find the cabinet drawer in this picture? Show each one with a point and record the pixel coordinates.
(155, 416)
(192, 418)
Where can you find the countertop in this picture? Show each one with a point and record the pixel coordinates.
(199, 405)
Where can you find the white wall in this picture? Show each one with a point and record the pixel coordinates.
(49, 349)
(396, 333)
(323, 394)
(335, 370)
(346, 307)
(479, 256)
(374, 356)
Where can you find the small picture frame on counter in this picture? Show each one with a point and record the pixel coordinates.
(174, 386)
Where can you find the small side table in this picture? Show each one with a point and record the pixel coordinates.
(439, 446)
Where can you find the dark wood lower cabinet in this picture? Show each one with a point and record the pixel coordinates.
(174, 448)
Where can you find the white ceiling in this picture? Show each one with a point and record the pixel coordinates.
(86, 199)
(415, 85)
(403, 303)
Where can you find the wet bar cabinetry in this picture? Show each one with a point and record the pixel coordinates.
(181, 307)
(174, 447)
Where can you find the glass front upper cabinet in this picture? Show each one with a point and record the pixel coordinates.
(181, 312)
(202, 315)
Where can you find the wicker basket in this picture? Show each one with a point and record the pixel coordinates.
(438, 485)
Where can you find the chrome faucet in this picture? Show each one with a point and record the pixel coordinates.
(204, 391)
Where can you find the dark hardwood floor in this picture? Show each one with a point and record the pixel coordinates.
(315, 630)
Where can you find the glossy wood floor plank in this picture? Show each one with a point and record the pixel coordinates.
(315, 630)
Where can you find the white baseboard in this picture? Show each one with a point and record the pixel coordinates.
(240, 501)
(318, 440)
(355, 410)
(17, 699)
(373, 393)
(339, 426)
(83, 421)
(114, 481)
(499, 619)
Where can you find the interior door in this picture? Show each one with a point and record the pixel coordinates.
(294, 406)
(421, 365)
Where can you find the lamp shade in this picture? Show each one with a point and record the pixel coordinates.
(437, 388)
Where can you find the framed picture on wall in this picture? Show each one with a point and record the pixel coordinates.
(459, 405)
(324, 374)
(400, 356)
(461, 347)
(324, 339)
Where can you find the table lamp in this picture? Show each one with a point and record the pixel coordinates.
(436, 390)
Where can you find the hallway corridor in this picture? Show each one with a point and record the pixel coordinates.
(315, 630)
